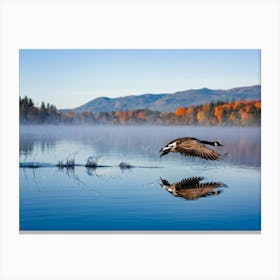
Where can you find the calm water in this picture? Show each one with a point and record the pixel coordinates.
(111, 198)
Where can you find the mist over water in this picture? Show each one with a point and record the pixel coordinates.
(242, 144)
(111, 198)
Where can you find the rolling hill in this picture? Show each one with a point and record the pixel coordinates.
(168, 102)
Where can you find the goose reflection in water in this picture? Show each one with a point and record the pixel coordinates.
(192, 188)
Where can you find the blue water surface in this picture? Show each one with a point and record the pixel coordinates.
(111, 198)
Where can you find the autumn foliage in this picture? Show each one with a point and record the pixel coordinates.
(237, 113)
(240, 113)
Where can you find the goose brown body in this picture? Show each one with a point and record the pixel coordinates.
(192, 147)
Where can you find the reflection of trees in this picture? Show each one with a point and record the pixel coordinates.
(242, 144)
(192, 188)
(26, 147)
(30, 143)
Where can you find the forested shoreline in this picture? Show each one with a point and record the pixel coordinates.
(235, 113)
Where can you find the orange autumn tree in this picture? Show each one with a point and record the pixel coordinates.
(241, 112)
(180, 112)
(218, 113)
(257, 104)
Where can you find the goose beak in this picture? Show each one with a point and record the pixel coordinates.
(164, 151)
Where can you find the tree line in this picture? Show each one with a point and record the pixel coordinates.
(236, 113)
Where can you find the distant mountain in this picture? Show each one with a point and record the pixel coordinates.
(168, 102)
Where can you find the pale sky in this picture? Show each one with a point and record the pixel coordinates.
(70, 78)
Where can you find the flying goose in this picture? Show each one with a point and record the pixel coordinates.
(192, 147)
(191, 188)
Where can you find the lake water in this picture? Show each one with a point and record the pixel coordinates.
(112, 198)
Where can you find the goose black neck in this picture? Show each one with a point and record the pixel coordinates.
(208, 143)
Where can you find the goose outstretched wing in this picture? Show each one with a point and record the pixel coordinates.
(194, 148)
(188, 182)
